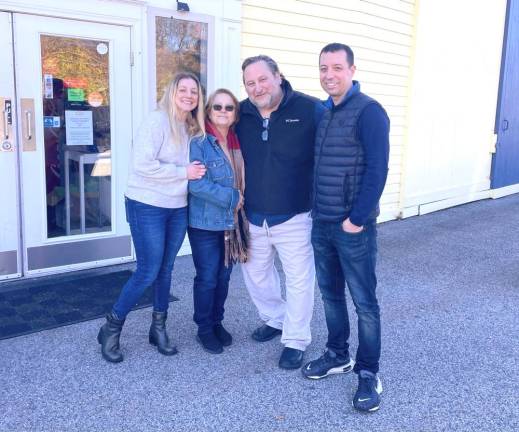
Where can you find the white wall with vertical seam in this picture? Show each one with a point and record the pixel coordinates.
(453, 103)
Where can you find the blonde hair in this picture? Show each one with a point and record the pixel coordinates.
(194, 124)
(211, 98)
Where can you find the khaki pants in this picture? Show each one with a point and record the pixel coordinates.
(291, 240)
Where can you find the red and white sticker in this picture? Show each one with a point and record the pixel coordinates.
(95, 99)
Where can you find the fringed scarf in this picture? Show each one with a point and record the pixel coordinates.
(237, 239)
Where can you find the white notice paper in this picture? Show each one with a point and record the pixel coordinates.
(48, 86)
(79, 128)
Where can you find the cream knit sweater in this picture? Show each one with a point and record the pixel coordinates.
(157, 173)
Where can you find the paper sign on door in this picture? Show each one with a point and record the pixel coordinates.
(79, 128)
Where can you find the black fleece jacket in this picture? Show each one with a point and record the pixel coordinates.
(279, 171)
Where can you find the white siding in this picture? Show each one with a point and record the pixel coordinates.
(453, 103)
(380, 33)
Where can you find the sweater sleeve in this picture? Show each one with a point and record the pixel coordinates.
(148, 142)
(373, 132)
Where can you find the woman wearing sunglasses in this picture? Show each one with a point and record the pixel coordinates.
(217, 227)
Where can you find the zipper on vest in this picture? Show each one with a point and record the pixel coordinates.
(319, 160)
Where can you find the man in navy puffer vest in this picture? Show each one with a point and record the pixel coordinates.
(351, 165)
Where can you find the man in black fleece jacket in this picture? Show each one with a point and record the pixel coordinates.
(276, 131)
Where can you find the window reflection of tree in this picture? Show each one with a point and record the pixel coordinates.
(77, 58)
(180, 46)
(54, 141)
(66, 59)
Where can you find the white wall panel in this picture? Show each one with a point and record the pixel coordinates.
(453, 101)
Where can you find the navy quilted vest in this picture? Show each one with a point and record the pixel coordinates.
(339, 160)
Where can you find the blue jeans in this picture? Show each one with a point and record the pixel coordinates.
(211, 283)
(157, 234)
(342, 257)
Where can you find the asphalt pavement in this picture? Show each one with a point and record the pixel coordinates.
(449, 295)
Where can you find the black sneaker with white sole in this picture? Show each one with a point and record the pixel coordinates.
(367, 397)
(327, 364)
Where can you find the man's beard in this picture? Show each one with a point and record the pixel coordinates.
(271, 101)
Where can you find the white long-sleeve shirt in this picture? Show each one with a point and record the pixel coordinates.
(157, 174)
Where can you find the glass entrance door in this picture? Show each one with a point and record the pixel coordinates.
(73, 86)
(76, 135)
(10, 256)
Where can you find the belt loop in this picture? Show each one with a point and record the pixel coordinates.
(266, 227)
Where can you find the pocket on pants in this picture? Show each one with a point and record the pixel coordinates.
(353, 245)
(256, 231)
(354, 234)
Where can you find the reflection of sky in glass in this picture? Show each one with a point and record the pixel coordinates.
(181, 46)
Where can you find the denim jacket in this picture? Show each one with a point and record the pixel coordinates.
(213, 198)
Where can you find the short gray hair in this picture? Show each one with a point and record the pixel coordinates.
(272, 65)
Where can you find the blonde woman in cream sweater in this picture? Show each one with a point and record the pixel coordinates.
(156, 207)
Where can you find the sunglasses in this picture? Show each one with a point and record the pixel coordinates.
(228, 108)
(265, 133)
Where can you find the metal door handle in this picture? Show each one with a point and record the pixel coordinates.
(28, 134)
(5, 122)
(504, 125)
(28, 128)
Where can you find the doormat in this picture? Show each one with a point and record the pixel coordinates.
(56, 304)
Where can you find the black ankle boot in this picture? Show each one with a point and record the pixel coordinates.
(223, 335)
(210, 343)
(158, 335)
(108, 337)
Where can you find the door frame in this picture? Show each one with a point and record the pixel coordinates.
(22, 262)
(12, 258)
(502, 190)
